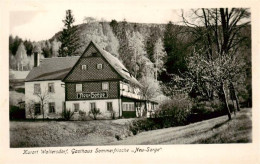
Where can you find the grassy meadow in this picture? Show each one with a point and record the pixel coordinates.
(107, 132)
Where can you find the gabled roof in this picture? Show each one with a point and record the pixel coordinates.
(57, 68)
(117, 65)
(52, 69)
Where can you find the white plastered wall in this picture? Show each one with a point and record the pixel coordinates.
(58, 97)
(84, 106)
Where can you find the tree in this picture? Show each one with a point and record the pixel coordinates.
(151, 87)
(55, 45)
(14, 43)
(69, 38)
(219, 37)
(46, 49)
(137, 49)
(158, 57)
(175, 63)
(151, 41)
(21, 57)
(219, 30)
(12, 61)
(112, 41)
(43, 98)
(29, 47)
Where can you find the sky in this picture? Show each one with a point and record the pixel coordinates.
(40, 20)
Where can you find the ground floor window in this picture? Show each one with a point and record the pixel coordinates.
(109, 106)
(52, 107)
(128, 106)
(92, 105)
(76, 107)
(37, 108)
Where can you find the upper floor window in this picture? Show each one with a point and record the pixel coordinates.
(78, 87)
(84, 67)
(99, 66)
(51, 87)
(52, 107)
(105, 86)
(94, 54)
(37, 88)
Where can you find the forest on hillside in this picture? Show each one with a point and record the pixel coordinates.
(163, 57)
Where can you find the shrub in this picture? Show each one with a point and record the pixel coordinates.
(175, 112)
(82, 115)
(20, 90)
(171, 113)
(204, 110)
(94, 112)
(16, 113)
(67, 114)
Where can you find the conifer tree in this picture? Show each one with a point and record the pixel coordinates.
(70, 42)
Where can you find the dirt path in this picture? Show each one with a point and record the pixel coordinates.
(217, 130)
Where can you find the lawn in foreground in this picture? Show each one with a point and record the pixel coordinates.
(217, 130)
(65, 133)
(104, 132)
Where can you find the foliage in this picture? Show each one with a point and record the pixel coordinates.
(30, 107)
(69, 38)
(176, 51)
(178, 110)
(67, 114)
(151, 87)
(159, 57)
(153, 37)
(82, 115)
(94, 112)
(21, 57)
(171, 113)
(14, 44)
(43, 97)
(16, 113)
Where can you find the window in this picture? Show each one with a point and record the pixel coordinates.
(78, 87)
(52, 107)
(105, 86)
(76, 107)
(51, 87)
(99, 66)
(84, 67)
(128, 106)
(92, 105)
(37, 109)
(109, 106)
(37, 89)
(94, 54)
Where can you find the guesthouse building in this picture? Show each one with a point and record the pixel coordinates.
(94, 80)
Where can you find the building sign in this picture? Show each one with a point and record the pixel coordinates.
(92, 95)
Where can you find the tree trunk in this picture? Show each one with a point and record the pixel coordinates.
(225, 101)
(236, 98)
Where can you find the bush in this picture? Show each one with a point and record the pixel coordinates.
(171, 113)
(67, 114)
(204, 110)
(175, 112)
(20, 90)
(82, 115)
(16, 113)
(94, 112)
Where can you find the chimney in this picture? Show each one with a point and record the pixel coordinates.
(36, 59)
